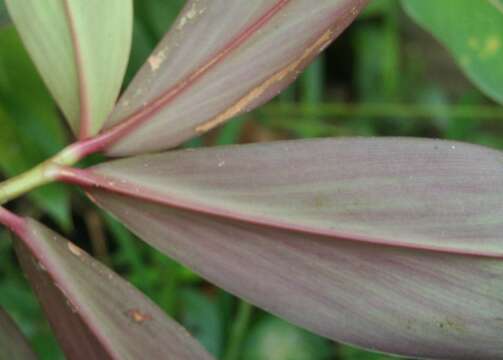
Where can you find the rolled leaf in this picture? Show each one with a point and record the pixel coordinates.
(12, 341)
(81, 49)
(94, 313)
(389, 244)
(222, 58)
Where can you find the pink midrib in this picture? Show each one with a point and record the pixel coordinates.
(84, 103)
(115, 133)
(90, 179)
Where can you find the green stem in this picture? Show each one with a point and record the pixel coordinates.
(41, 174)
(238, 331)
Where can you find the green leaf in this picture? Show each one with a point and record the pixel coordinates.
(202, 318)
(275, 339)
(350, 353)
(30, 126)
(472, 31)
(81, 48)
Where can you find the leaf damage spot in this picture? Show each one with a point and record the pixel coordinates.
(451, 325)
(137, 316)
(74, 249)
(155, 60)
(492, 46)
(486, 48)
(191, 14)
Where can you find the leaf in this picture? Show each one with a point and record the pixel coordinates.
(30, 126)
(12, 342)
(472, 31)
(96, 314)
(81, 49)
(202, 317)
(237, 62)
(388, 244)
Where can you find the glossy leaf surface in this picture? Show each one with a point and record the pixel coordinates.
(472, 31)
(96, 314)
(328, 234)
(210, 68)
(13, 344)
(81, 49)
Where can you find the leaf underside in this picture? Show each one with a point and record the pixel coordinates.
(222, 58)
(94, 313)
(389, 244)
(81, 50)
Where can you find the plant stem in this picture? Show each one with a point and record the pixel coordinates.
(238, 330)
(41, 174)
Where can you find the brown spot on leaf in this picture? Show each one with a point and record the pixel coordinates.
(74, 249)
(137, 316)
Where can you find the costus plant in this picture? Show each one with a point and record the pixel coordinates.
(391, 244)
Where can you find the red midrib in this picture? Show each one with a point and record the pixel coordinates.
(89, 179)
(120, 130)
(84, 103)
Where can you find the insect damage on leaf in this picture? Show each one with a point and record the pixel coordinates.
(138, 316)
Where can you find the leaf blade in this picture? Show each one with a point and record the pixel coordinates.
(396, 296)
(95, 313)
(80, 52)
(418, 193)
(395, 300)
(242, 62)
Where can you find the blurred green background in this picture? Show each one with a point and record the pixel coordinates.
(385, 76)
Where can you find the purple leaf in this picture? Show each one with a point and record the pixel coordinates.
(94, 313)
(13, 344)
(389, 244)
(221, 58)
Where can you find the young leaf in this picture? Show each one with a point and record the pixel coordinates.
(389, 244)
(210, 68)
(81, 49)
(96, 314)
(472, 31)
(12, 342)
